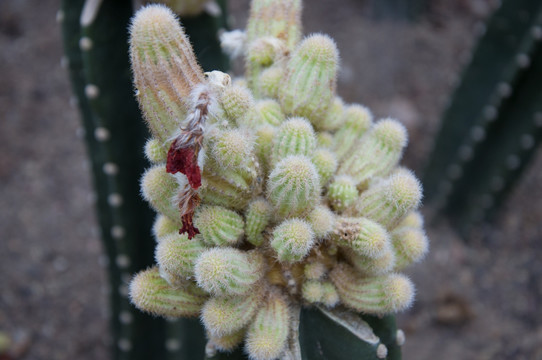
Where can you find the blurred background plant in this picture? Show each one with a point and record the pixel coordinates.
(409, 68)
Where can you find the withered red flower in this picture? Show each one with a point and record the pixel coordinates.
(184, 160)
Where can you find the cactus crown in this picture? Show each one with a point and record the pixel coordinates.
(282, 194)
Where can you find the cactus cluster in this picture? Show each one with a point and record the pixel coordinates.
(271, 193)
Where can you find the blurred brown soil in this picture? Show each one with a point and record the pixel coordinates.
(475, 301)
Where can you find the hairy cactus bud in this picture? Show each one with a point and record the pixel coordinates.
(377, 153)
(227, 342)
(342, 192)
(155, 152)
(165, 68)
(292, 240)
(294, 137)
(293, 186)
(312, 291)
(373, 295)
(334, 118)
(267, 335)
(152, 294)
(219, 226)
(163, 226)
(412, 220)
(159, 189)
(227, 271)
(232, 148)
(257, 217)
(388, 201)
(225, 315)
(270, 112)
(324, 139)
(236, 101)
(326, 164)
(410, 245)
(264, 144)
(372, 266)
(176, 254)
(357, 121)
(315, 270)
(362, 235)
(330, 297)
(264, 51)
(269, 81)
(321, 220)
(313, 63)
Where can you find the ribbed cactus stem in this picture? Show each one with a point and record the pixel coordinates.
(163, 226)
(227, 342)
(410, 246)
(176, 254)
(363, 236)
(342, 192)
(257, 218)
(155, 152)
(371, 266)
(294, 137)
(357, 120)
(292, 240)
(219, 226)
(270, 112)
(160, 189)
(321, 220)
(326, 164)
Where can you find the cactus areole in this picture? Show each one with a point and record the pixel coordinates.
(272, 194)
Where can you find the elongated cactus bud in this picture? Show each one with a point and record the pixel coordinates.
(410, 246)
(270, 112)
(293, 186)
(326, 163)
(357, 121)
(237, 103)
(219, 226)
(334, 118)
(362, 235)
(264, 144)
(413, 219)
(342, 192)
(152, 294)
(258, 216)
(268, 82)
(377, 153)
(155, 152)
(267, 335)
(227, 342)
(310, 79)
(163, 226)
(321, 220)
(312, 291)
(372, 266)
(373, 295)
(294, 137)
(225, 315)
(315, 270)
(330, 296)
(176, 254)
(227, 271)
(292, 240)
(159, 189)
(232, 148)
(389, 200)
(165, 69)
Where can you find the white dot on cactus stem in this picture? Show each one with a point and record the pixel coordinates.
(490, 112)
(59, 16)
(117, 232)
(538, 119)
(536, 32)
(101, 134)
(125, 317)
(486, 201)
(527, 141)
(110, 168)
(477, 133)
(173, 345)
(125, 345)
(114, 200)
(504, 89)
(523, 60)
(512, 162)
(381, 351)
(124, 290)
(85, 43)
(122, 261)
(497, 183)
(454, 171)
(92, 91)
(465, 152)
(64, 62)
(400, 337)
(103, 261)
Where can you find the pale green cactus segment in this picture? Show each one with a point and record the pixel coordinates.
(155, 152)
(292, 240)
(160, 188)
(388, 201)
(413, 219)
(326, 164)
(357, 120)
(228, 272)
(163, 226)
(149, 292)
(377, 153)
(232, 149)
(264, 144)
(234, 194)
(219, 226)
(334, 118)
(164, 67)
(226, 315)
(293, 186)
(257, 217)
(265, 51)
(176, 254)
(342, 192)
(371, 266)
(227, 342)
(372, 295)
(312, 291)
(321, 220)
(268, 81)
(362, 235)
(270, 112)
(410, 246)
(324, 139)
(315, 270)
(236, 101)
(268, 334)
(330, 296)
(309, 82)
(294, 137)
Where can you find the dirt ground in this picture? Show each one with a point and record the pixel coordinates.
(475, 301)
